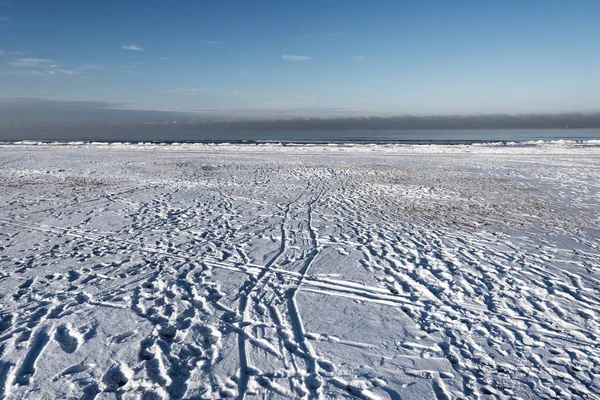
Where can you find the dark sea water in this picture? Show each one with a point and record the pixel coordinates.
(326, 136)
(422, 136)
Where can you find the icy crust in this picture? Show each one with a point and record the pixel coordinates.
(317, 272)
(526, 147)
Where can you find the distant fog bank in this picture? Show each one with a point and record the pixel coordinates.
(38, 119)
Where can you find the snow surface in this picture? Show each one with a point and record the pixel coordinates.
(289, 271)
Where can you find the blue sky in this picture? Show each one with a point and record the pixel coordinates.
(317, 58)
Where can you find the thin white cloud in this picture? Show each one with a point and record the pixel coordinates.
(186, 91)
(37, 72)
(22, 73)
(288, 57)
(227, 92)
(360, 58)
(3, 18)
(37, 67)
(62, 71)
(198, 90)
(1, 52)
(88, 66)
(213, 42)
(132, 47)
(29, 63)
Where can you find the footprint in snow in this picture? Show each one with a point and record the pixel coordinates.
(77, 368)
(68, 339)
(117, 377)
(124, 336)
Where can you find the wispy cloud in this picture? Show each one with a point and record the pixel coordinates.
(227, 92)
(288, 57)
(198, 90)
(22, 73)
(132, 47)
(29, 62)
(186, 91)
(38, 72)
(360, 58)
(36, 67)
(277, 100)
(213, 42)
(1, 52)
(88, 66)
(3, 18)
(57, 70)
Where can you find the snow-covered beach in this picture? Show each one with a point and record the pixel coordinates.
(300, 271)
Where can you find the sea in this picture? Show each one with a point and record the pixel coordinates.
(325, 136)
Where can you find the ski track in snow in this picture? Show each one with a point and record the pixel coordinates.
(318, 272)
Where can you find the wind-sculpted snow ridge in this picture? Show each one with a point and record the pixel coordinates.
(263, 272)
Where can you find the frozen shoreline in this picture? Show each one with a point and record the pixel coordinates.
(278, 144)
(340, 271)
